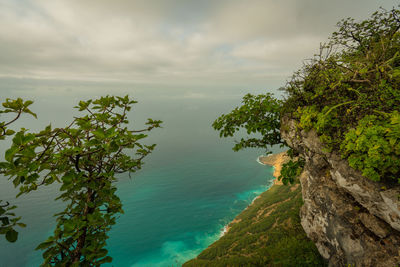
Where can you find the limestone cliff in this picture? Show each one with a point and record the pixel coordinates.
(351, 219)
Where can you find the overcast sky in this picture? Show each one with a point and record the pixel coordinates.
(167, 42)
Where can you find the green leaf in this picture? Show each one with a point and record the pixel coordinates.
(10, 153)
(17, 140)
(69, 226)
(10, 132)
(44, 245)
(67, 178)
(28, 138)
(17, 181)
(11, 236)
(30, 112)
(99, 133)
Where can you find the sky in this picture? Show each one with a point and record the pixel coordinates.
(164, 43)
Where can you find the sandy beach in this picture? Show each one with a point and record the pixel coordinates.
(275, 160)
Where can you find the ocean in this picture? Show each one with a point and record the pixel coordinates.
(176, 206)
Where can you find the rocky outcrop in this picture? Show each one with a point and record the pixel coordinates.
(352, 220)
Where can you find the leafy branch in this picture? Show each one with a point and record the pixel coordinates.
(85, 158)
(8, 218)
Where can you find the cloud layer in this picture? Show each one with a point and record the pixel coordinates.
(171, 42)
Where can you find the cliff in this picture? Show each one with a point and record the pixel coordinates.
(351, 219)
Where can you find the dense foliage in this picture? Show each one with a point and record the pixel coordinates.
(267, 233)
(8, 218)
(291, 170)
(84, 158)
(350, 95)
(258, 114)
(373, 147)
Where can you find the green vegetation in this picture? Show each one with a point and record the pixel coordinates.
(258, 114)
(268, 233)
(351, 97)
(8, 218)
(291, 170)
(348, 93)
(374, 148)
(84, 158)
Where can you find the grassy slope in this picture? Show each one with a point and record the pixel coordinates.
(268, 234)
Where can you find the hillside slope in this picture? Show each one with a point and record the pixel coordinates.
(267, 233)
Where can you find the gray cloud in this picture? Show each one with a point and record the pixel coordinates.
(167, 42)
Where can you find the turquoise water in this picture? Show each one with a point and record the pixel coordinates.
(189, 188)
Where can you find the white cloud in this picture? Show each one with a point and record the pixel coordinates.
(277, 51)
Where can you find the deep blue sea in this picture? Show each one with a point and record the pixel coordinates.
(177, 205)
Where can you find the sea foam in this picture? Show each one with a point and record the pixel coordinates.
(258, 159)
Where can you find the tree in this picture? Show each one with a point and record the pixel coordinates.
(85, 157)
(8, 218)
(258, 115)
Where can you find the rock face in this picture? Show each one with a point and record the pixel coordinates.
(351, 219)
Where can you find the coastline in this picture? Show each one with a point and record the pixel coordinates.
(274, 160)
(262, 233)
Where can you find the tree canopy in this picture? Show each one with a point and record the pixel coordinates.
(258, 114)
(85, 157)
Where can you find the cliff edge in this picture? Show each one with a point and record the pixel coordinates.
(351, 219)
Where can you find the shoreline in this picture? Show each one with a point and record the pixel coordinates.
(274, 160)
